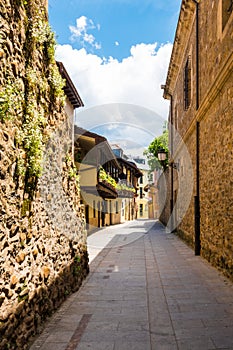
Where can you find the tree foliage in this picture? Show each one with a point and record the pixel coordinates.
(160, 142)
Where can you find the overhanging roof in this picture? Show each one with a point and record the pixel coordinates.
(69, 89)
(131, 165)
(80, 132)
(100, 142)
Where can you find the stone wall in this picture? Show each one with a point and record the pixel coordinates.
(42, 227)
(216, 180)
(164, 197)
(214, 115)
(187, 176)
(216, 195)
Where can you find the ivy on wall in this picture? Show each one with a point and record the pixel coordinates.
(31, 100)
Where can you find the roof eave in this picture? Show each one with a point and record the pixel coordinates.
(69, 89)
(183, 28)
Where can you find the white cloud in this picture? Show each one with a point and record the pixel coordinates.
(134, 80)
(117, 43)
(80, 32)
(81, 23)
(127, 91)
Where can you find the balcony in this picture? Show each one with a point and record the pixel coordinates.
(106, 185)
(125, 189)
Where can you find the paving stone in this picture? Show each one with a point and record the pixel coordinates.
(102, 326)
(95, 346)
(149, 294)
(59, 336)
(53, 346)
(126, 345)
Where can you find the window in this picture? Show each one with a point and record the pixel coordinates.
(187, 83)
(117, 210)
(94, 214)
(141, 209)
(141, 192)
(105, 206)
(123, 204)
(141, 180)
(150, 177)
(227, 9)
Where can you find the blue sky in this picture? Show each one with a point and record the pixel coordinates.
(117, 54)
(127, 22)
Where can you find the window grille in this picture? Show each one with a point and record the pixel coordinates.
(187, 83)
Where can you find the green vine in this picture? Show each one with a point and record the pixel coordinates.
(77, 265)
(57, 84)
(11, 100)
(31, 101)
(72, 172)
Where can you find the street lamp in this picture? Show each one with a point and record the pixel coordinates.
(162, 155)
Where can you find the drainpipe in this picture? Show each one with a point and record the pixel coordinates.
(166, 94)
(197, 197)
(171, 168)
(197, 54)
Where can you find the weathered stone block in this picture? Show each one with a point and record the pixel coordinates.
(35, 236)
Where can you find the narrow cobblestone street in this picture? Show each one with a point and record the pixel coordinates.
(146, 291)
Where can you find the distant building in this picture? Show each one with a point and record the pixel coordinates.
(108, 183)
(98, 168)
(145, 200)
(128, 179)
(118, 151)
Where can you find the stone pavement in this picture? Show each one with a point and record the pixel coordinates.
(146, 291)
